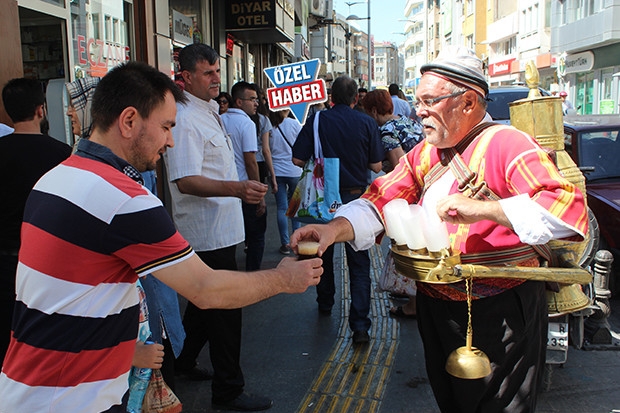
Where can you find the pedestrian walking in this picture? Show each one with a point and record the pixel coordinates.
(353, 137)
(283, 137)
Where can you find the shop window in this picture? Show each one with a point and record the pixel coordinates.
(42, 47)
(60, 3)
(193, 10)
(585, 93)
(100, 40)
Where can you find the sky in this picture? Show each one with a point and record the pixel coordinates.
(384, 15)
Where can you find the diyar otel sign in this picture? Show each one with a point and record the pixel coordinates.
(296, 87)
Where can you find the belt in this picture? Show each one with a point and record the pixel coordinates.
(353, 191)
(9, 252)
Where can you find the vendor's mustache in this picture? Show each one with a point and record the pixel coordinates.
(429, 124)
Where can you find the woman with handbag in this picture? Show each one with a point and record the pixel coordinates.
(281, 140)
(399, 134)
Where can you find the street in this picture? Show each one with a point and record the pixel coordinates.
(306, 363)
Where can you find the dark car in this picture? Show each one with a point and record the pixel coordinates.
(593, 142)
(499, 98)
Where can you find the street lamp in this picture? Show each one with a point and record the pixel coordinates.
(354, 17)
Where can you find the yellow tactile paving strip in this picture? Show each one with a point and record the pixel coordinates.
(354, 378)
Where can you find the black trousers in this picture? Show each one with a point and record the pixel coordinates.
(510, 328)
(8, 268)
(222, 329)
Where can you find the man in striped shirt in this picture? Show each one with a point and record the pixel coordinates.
(90, 230)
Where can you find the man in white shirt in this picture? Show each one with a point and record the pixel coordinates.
(401, 107)
(242, 132)
(206, 207)
(5, 130)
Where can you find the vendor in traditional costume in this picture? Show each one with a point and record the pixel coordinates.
(523, 203)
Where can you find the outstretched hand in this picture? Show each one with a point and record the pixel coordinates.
(300, 274)
(313, 232)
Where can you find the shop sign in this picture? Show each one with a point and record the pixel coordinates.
(296, 87)
(575, 63)
(182, 28)
(230, 44)
(500, 68)
(100, 55)
(243, 14)
(606, 106)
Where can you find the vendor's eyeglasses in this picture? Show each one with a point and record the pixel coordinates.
(222, 102)
(429, 103)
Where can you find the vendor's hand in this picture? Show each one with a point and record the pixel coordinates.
(299, 275)
(148, 356)
(252, 192)
(322, 234)
(458, 209)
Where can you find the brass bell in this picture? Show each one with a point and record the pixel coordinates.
(569, 299)
(468, 362)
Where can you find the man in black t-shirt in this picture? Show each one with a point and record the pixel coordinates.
(25, 156)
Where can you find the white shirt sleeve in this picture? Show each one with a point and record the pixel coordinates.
(365, 221)
(533, 224)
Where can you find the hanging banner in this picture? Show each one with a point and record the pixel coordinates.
(296, 87)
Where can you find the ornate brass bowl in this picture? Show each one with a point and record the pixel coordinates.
(447, 269)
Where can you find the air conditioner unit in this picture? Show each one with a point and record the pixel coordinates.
(318, 8)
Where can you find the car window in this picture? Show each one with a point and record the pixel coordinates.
(498, 103)
(601, 151)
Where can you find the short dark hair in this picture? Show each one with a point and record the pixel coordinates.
(393, 89)
(21, 98)
(380, 100)
(362, 90)
(191, 54)
(344, 90)
(225, 96)
(131, 84)
(239, 89)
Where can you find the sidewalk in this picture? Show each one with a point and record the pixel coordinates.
(306, 363)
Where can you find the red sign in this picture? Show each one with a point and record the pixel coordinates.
(500, 68)
(100, 55)
(299, 93)
(230, 43)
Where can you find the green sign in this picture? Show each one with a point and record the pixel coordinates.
(606, 106)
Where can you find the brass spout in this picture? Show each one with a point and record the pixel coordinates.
(441, 271)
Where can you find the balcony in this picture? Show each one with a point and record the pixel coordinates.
(597, 30)
(411, 5)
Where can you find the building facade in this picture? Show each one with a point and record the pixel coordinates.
(586, 41)
(57, 41)
(386, 61)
